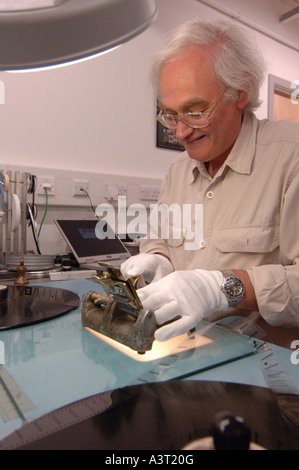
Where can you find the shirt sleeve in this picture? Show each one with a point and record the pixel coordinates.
(277, 286)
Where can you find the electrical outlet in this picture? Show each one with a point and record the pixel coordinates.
(46, 183)
(149, 192)
(112, 191)
(79, 187)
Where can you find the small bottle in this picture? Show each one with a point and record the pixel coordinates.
(21, 270)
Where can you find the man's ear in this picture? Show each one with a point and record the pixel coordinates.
(242, 100)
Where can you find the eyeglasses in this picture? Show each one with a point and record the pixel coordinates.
(195, 119)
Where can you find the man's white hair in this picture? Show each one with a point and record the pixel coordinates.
(239, 64)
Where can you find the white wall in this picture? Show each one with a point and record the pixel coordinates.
(99, 116)
(94, 116)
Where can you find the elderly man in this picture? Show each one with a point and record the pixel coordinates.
(244, 173)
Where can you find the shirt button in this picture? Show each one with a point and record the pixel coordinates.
(210, 194)
(202, 244)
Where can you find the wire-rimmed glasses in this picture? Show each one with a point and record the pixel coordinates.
(194, 119)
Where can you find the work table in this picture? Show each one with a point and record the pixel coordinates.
(57, 362)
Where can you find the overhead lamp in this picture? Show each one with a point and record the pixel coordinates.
(40, 33)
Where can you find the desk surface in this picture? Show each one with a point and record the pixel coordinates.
(57, 362)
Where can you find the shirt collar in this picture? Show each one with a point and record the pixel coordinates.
(241, 156)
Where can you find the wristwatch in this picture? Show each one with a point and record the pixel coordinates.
(232, 287)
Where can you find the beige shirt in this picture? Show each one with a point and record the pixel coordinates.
(250, 215)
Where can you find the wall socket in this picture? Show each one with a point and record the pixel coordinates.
(78, 185)
(46, 182)
(112, 191)
(149, 192)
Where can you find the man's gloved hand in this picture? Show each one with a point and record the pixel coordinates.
(190, 295)
(152, 266)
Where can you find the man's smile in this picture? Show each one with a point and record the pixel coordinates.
(194, 140)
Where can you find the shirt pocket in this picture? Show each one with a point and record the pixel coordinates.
(175, 244)
(253, 239)
(176, 238)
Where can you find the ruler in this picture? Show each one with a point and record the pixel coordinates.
(14, 403)
(57, 420)
(271, 364)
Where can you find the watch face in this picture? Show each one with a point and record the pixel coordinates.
(234, 287)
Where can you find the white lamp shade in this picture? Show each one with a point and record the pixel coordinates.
(48, 32)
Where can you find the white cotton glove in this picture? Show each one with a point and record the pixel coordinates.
(152, 266)
(190, 295)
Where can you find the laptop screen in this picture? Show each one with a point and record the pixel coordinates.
(89, 242)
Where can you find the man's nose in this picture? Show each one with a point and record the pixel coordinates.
(182, 131)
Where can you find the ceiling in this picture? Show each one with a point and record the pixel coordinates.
(264, 14)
